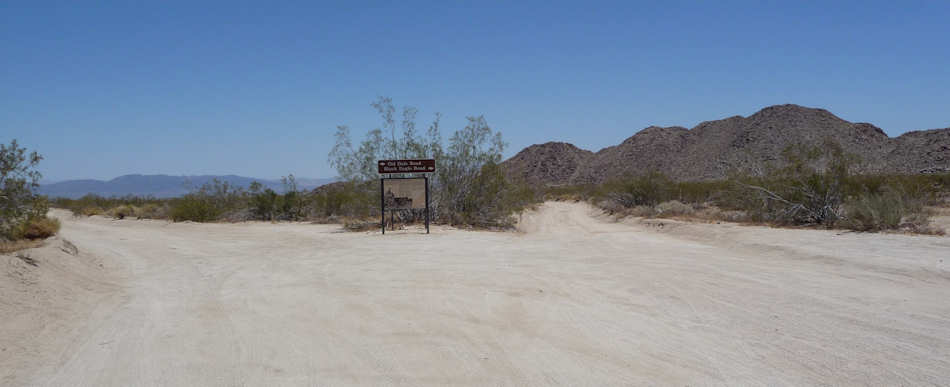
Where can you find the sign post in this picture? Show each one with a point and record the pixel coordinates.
(404, 193)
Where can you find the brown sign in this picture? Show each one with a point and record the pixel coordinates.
(406, 166)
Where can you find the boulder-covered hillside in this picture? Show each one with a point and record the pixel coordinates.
(713, 149)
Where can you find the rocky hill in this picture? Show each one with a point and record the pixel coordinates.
(547, 163)
(713, 149)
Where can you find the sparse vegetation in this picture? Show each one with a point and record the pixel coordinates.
(814, 186)
(673, 208)
(137, 206)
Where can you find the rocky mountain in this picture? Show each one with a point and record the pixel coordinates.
(160, 186)
(549, 162)
(713, 149)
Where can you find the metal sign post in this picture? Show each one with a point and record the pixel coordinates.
(403, 193)
(427, 204)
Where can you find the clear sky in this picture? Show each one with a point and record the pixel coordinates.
(256, 89)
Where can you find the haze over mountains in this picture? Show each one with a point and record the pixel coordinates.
(713, 149)
(160, 186)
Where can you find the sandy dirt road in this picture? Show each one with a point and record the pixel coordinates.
(573, 299)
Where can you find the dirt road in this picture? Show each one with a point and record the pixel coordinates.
(574, 299)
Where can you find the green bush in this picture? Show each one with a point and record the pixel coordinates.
(263, 203)
(346, 199)
(884, 208)
(491, 199)
(22, 211)
(208, 203)
(645, 190)
(874, 212)
(196, 208)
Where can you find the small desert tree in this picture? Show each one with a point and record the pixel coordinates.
(460, 164)
(468, 151)
(20, 207)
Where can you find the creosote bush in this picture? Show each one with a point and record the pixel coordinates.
(468, 187)
(22, 211)
(195, 208)
(37, 228)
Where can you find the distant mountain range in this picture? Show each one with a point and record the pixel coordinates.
(713, 149)
(160, 186)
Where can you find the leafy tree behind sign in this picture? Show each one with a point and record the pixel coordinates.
(459, 163)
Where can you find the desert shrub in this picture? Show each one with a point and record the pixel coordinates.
(152, 211)
(89, 211)
(928, 189)
(267, 204)
(697, 191)
(121, 211)
(196, 208)
(673, 208)
(816, 187)
(208, 202)
(885, 208)
(491, 199)
(809, 189)
(874, 212)
(349, 199)
(609, 206)
(644, 190)
(292, 203)
(22, 211)
(570, 193)
(39, 227)
(263, 202)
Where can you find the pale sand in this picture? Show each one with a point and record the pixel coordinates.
(573, 299)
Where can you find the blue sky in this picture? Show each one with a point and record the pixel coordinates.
(256, 89)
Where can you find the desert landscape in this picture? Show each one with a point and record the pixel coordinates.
(573, 297)
(433, 193)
